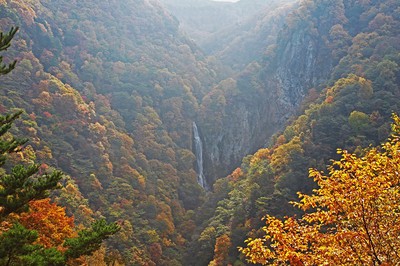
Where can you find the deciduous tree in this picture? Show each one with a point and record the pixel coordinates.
(50, 221)
(351, 219)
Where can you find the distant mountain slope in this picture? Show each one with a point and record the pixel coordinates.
(247, 41)
(205, 20)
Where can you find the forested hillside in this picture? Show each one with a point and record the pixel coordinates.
(110, 92)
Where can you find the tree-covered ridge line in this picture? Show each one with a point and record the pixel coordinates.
(235, 33)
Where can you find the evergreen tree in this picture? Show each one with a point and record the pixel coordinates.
(23, 184)
(11, 144)
(89, 240)
(17, 248)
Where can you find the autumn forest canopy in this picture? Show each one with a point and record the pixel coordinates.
(197, 132)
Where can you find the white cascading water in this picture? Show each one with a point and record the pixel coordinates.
(199, 157)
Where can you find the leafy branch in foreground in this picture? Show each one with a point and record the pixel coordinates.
(9, 145)
(351, 219)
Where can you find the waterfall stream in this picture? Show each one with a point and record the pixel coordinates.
(199, 157)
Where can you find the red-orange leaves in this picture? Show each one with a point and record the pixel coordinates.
(50, 221)
(221, 250)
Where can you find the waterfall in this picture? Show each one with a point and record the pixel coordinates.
(198, 148)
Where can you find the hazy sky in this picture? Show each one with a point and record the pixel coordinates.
(226, 0)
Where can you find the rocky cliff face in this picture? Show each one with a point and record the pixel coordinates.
(303, 62)
(262, 98)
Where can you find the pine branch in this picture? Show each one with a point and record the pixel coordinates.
(5, 42)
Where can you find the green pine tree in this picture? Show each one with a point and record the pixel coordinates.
(89, 240)
(23, 184)
(17, 248)
(8, 145)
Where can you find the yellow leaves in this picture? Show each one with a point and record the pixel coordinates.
(142, 181)
(261, 154)
(207, 234)
(395, 126)
(351, 219)
(283, 154)
(26, 12)
(256, 251)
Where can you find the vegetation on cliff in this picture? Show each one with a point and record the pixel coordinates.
(349, 109)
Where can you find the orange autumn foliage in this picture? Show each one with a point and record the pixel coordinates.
(50, 221)
(221, 250)
(351, 219)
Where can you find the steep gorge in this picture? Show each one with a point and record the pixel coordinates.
(110, 92)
